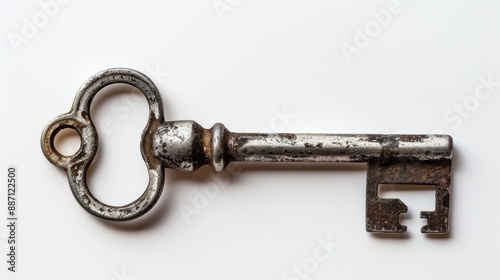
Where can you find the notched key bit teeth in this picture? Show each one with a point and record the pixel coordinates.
(383, 216)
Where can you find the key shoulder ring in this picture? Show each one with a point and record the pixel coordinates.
(185, 145)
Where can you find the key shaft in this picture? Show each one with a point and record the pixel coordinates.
(185, 145)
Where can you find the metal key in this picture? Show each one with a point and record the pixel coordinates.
(186, 146)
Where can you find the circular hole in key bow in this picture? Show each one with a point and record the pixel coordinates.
(118, 174)
(67, 142)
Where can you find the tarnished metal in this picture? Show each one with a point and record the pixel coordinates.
(77, 165)
(186, 146)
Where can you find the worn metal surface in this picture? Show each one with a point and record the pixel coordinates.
(185, 145)
(77, 165)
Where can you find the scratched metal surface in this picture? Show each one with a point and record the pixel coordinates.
(186, 146)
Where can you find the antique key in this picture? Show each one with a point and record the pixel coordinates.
(185, 145)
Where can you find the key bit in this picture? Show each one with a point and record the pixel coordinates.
(186, 146)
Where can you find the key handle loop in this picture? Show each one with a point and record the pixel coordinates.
(77, 165)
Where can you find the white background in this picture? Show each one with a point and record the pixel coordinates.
(245, 66)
